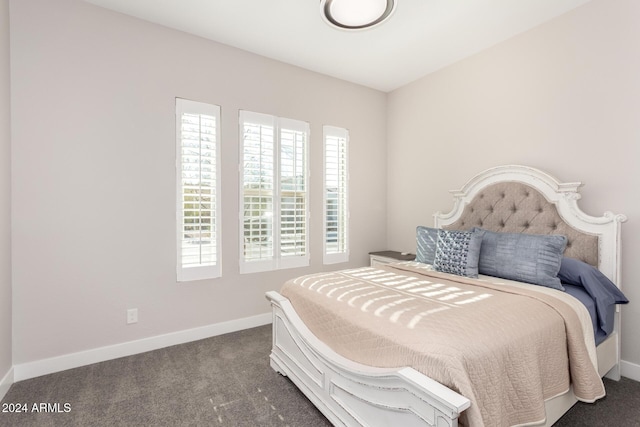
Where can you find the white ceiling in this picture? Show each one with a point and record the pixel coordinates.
(422, 35)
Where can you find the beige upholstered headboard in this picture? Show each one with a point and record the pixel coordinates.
(520, 199)
(514, 207)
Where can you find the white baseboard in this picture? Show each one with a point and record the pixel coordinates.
(28, 370)
(630, 370)
(5, 383)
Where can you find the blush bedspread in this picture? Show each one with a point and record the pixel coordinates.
(506, 348)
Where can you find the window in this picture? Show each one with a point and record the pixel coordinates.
(336, 207)
(273, 180)
(198, 189)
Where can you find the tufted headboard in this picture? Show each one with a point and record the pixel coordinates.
(514, 207)
(520, 199)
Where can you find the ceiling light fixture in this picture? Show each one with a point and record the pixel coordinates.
(356, 14)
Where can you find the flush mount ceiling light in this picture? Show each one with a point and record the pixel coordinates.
(356, 14)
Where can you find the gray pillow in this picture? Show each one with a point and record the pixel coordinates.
(426, 239)
(457, 252)
(530, 258)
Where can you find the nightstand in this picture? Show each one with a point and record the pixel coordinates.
(385, 257)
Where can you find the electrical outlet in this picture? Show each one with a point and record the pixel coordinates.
(132, 316)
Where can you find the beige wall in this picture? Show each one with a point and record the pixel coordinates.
(564, 97)
(93, 190)
(5, 194)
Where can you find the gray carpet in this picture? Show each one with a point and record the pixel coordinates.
(220, 381)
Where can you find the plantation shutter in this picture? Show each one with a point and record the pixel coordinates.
(273, 179)
(198, 187)
(293, 193)
(257, 187)
(336, 179)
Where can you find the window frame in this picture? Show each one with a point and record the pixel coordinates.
(277, 260)
(202, 270)
(343, 231)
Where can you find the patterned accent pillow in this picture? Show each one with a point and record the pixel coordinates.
(529, 258)
(426, 240)
(458, 252)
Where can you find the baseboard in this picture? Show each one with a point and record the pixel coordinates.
(29, 370)
(6, 382)
(630, 370)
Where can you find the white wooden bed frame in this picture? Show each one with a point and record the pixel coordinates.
(352, 394)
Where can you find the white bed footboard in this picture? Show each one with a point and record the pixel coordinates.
(351, 394)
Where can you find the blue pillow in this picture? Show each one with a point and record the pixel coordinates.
(581, 294)
(604, 292)
(529, 258)
(426, 240)
(457, 252)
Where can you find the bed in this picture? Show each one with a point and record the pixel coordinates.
(362, 390)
